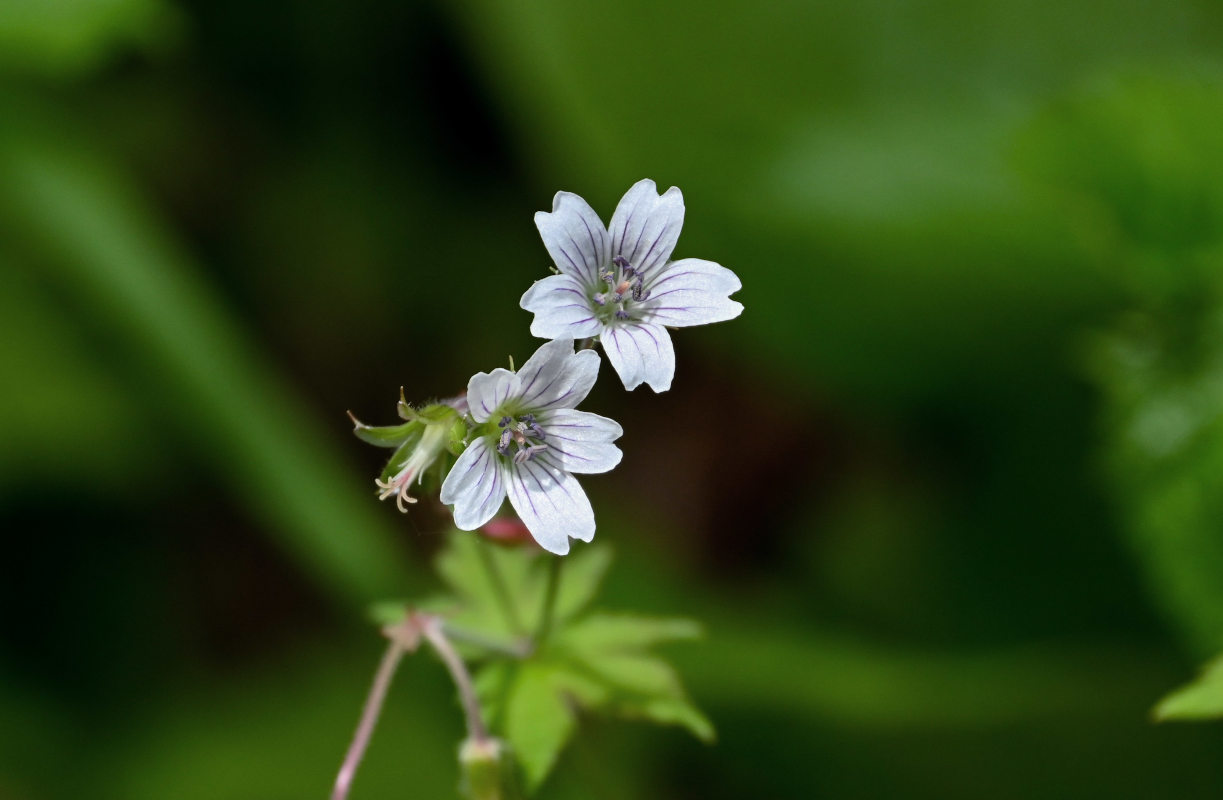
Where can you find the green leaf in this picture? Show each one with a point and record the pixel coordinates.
(1202, 699)
(601, 632)
(473, 568)
(388, 612)
(538, 721)
(581, 579)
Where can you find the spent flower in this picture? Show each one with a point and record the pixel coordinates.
(619, 284)
(528, 441)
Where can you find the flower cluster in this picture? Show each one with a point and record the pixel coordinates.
(519, 435)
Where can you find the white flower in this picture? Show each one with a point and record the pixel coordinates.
(528, 441)
(618, 283)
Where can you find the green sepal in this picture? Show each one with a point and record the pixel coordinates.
(402, 408)
(437, 413)
(384, 436)
(457, 442)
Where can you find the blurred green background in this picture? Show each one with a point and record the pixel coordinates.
(949, 495)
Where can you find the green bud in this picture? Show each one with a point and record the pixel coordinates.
(489, 771)
(458, 437)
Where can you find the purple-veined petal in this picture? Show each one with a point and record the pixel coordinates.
(488, 390)
(581, 442)
(641, 353)
(561, 307)
(551, 503)
(556, 377)
(692, 291)
(475, 485)
(574, 236)
(646, 227)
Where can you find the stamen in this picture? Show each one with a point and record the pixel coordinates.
(528, 453)
(397, 486)
(503, 446)
(621, 314)
(599, 298)
(621, 262)
(505, 421)
(608, 277)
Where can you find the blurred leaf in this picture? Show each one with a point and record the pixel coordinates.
(472, 567)
(611, 633)
(538, 722)
(70, 37)
(1202, 699)
(71, 210)
(597, 661)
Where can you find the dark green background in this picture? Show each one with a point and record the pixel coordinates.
(947, 495)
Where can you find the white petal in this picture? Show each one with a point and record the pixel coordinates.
(646, 227)
(574, 236)
(488, 390)
(692, 291)
(561, 307)
(475, 485)
(556, 377)
(551, 503)
(641, 353)
(579, 441)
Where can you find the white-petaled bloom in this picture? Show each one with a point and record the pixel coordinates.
(528, 442)
(618, 283)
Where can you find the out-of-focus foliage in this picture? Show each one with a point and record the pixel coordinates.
(1202, 699)
(67, 38)
(945, 493)
(579, 660)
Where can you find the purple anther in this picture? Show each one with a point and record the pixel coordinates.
(599, 298)
(621, 262)
(621, 314)
(505, 421)
(503, 446)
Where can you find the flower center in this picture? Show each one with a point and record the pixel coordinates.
(522, 435)
(625, 286)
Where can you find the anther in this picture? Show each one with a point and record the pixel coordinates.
(621, 314)
(505, 421)
(599, 298)
(503, 446)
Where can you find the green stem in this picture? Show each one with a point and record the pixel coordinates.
(497, 581)
(549, 607)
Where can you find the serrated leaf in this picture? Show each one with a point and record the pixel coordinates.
(538, 722)
(1202, 699)
(612, 633)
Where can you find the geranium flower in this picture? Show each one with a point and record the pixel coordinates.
(618, 283)
(527, 444)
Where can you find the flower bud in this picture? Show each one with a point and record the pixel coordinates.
(489, 771)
